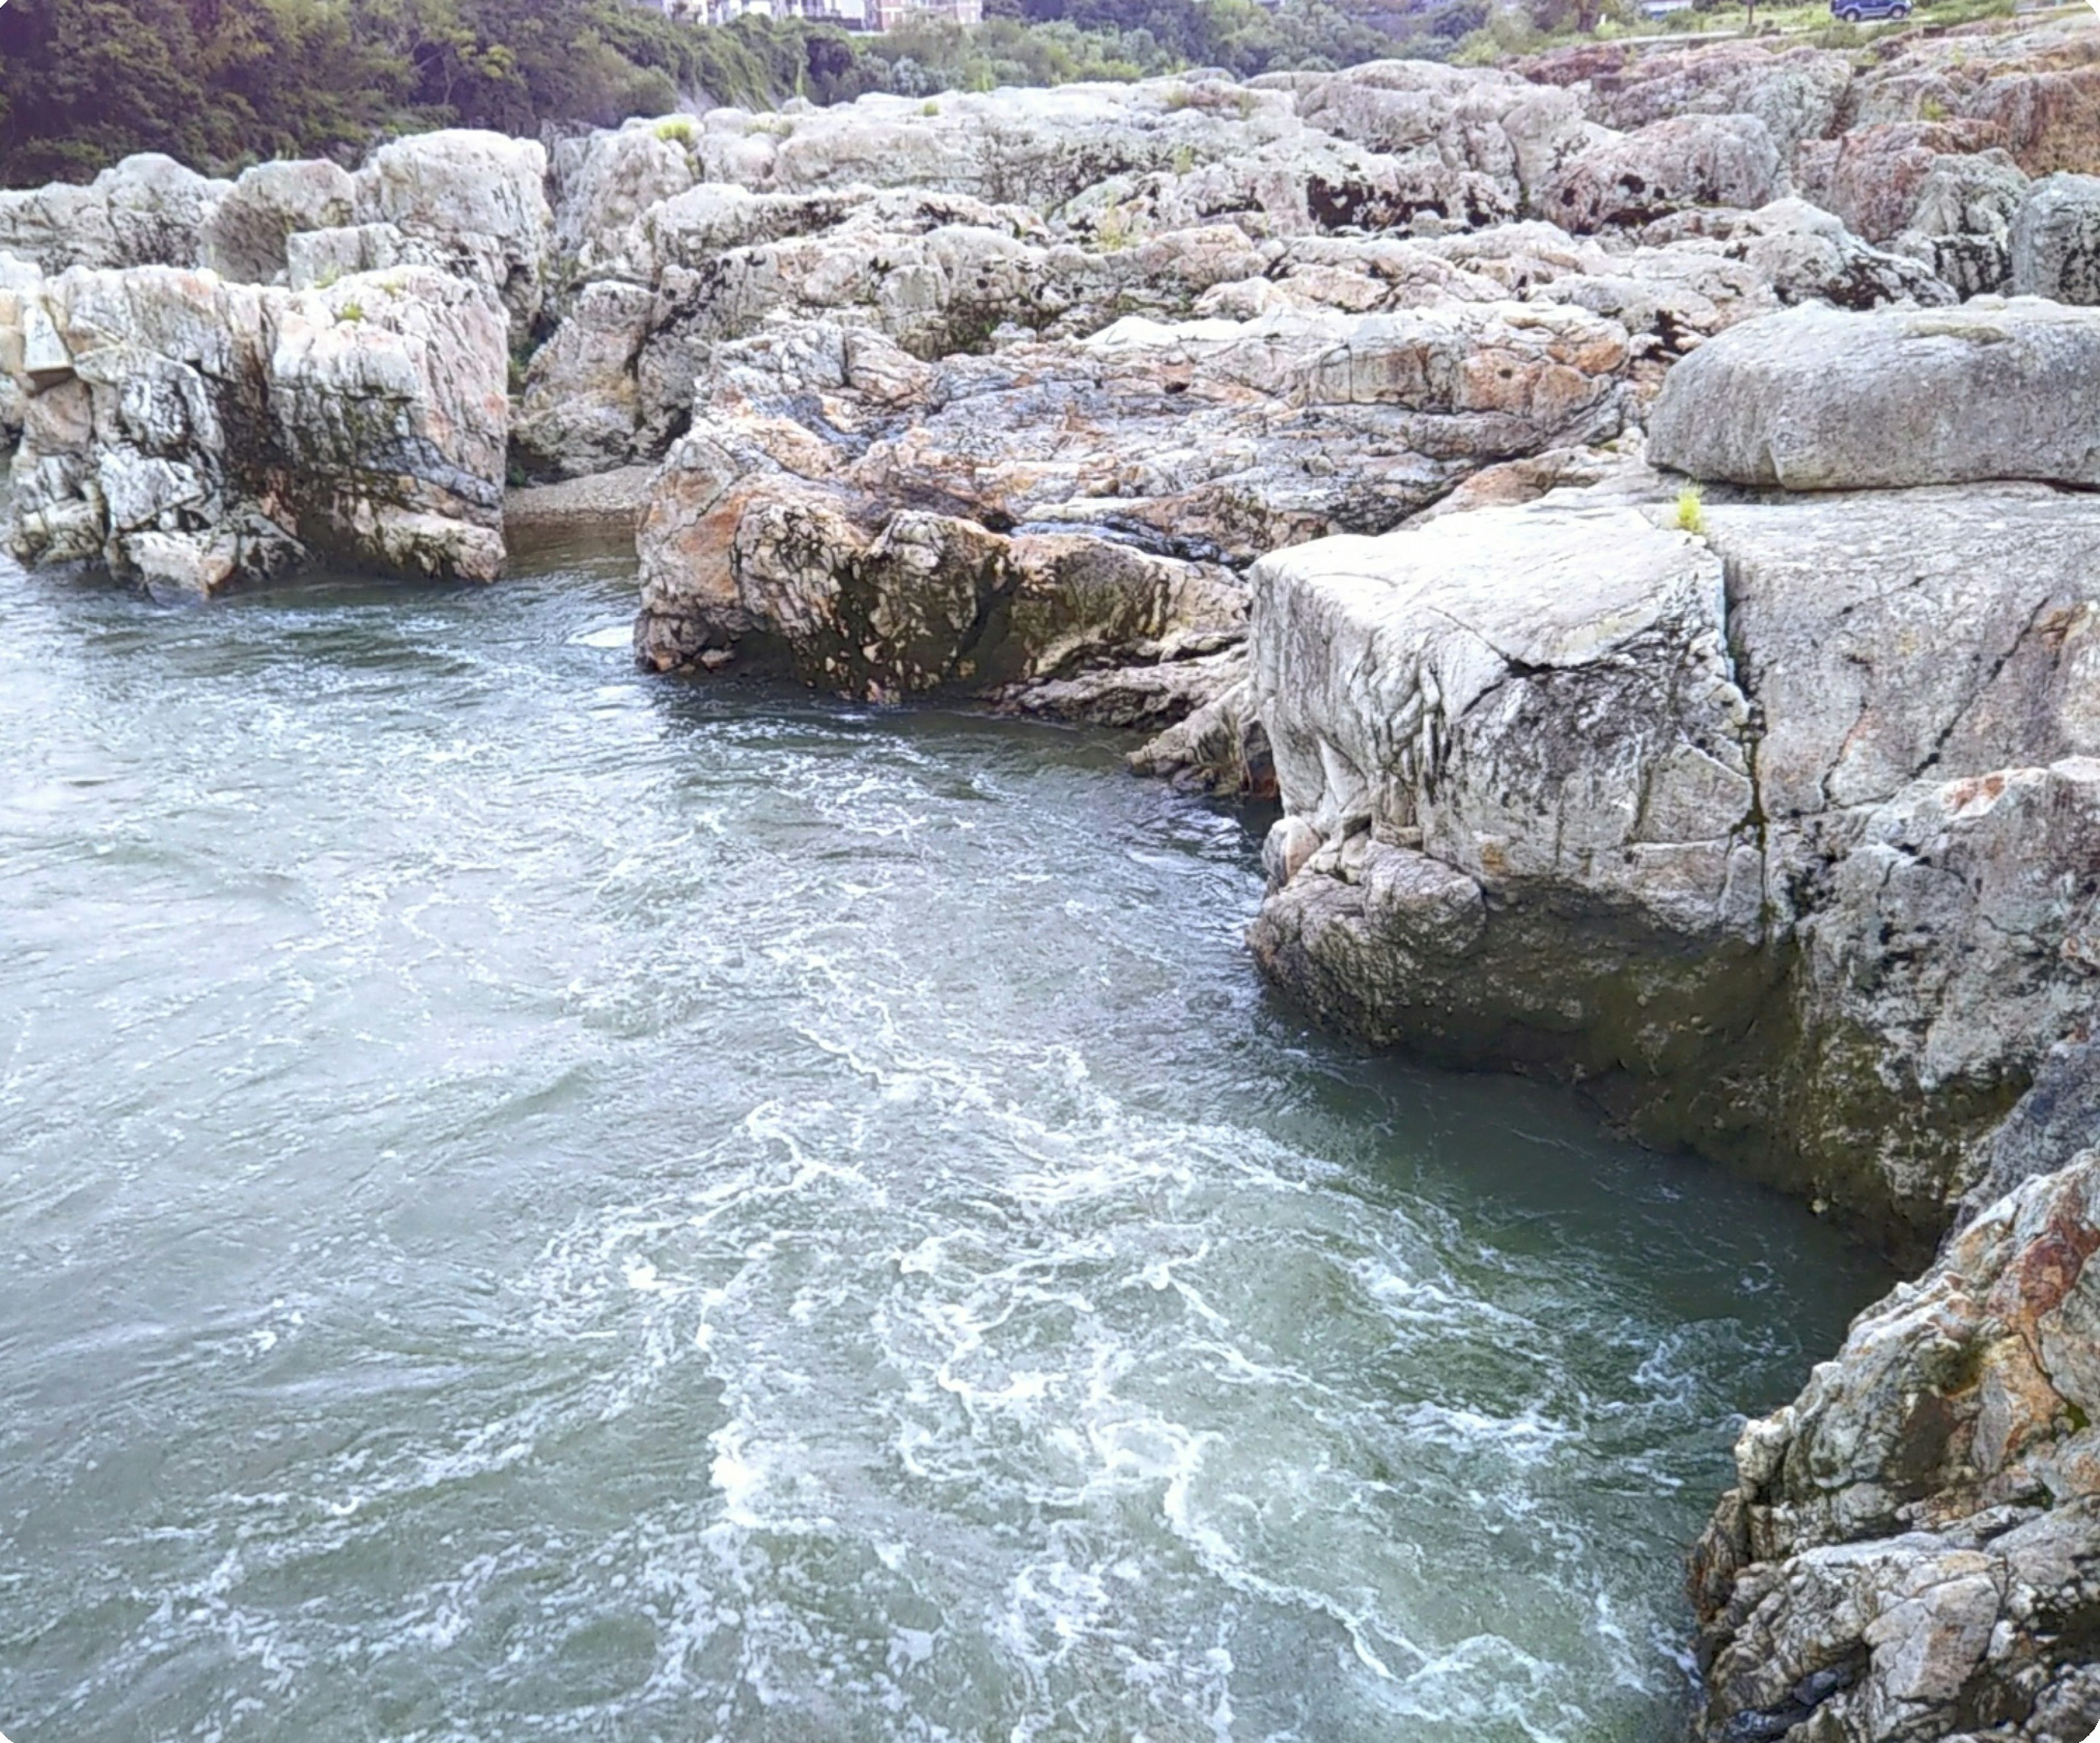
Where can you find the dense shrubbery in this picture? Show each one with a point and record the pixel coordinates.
(218, 83)
(221, 82)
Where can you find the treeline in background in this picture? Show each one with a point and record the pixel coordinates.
(222, 83)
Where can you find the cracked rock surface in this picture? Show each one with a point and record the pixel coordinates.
(190, 433)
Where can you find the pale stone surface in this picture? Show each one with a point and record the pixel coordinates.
(1192, 441)
(247, 235)
(2056, 240)
(477, 201)
(193, 433)
(146, 210)
(1816, 399)
(1668, 166)
(1798, 875)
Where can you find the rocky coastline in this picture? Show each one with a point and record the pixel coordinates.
(1636, 513)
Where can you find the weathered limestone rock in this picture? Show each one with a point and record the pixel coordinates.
(2056, 240)
(1207, 438)
(1912, 1548)
(937, 272)
(1796, 92)
(1669, 166)
(1516, 770)
(247, 235)
(1798, 874)
(1036, 148)
(1937, 178)
(1493, 125)
(475, 202)
(1297, 187)
(191, 434)
(604, 181)
(1815, 399)
(146, 210)
(2039, 86)
(582, 410)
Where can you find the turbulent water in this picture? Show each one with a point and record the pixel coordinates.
(537, 1202)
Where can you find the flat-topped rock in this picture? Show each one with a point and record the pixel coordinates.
(1817, 398)
(1772, 866)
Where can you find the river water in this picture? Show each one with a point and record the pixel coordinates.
(537, 1202)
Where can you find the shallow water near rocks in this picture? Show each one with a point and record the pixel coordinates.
(539, 1202)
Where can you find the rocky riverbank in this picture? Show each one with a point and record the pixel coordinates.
(1338, 428)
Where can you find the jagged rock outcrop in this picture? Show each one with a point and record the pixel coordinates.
(1944, 192)
(191, 434)
(765, 533)
(1913, 1548)
(469, 203)
(147, 210)
(248, 236)
(1147, 445)
(1798, 93)
(1818, 399)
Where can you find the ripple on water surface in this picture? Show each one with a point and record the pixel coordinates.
(541, 1202)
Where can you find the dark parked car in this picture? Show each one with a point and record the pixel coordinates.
(1853, 11)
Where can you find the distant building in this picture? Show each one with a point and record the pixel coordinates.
(854, 14)
(889, 14)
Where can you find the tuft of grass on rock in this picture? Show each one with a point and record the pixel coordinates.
(677, 129)
(929, 108)
(1692, 512)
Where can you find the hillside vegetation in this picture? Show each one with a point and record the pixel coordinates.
(219, 83)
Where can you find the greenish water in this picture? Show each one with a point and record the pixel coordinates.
(541, 1202)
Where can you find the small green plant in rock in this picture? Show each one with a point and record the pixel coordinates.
(929, 108)
(1114, 230)
(1692, 512)
(350, 313)
(1185, 159)
(677, 129)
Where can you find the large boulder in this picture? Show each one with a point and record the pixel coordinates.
(1673, 165)
(1795, 871)
(191, 434)
(2056, 240)
(247, 236)
(1818, 398)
